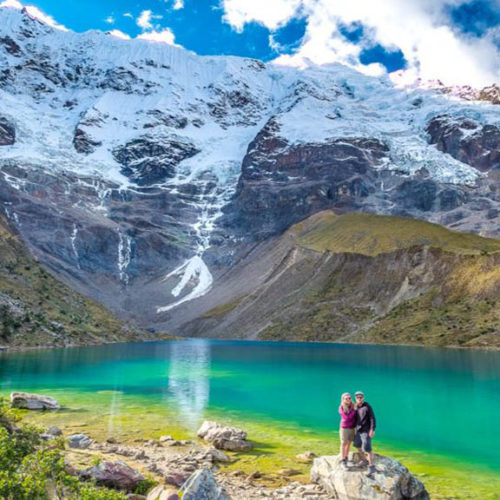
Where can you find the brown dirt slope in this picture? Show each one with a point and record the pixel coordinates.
(362, 278)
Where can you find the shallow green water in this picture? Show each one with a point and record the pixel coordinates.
(432, 405)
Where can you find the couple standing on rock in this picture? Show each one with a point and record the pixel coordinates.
(357, 426)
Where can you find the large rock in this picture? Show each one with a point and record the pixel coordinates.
(79, 441)
(116, 475)
(163, 492)
(391, 481)
(224, 437)
(202, 486)
(27, 401)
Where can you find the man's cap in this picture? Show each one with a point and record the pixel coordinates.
(359, 393)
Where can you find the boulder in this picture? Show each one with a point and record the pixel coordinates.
(306, 457)
(391, 481)
(27, 401)
(224, 437)
(116, 475)
(54, 431)
(79, 441)
(163, 492)
(202, 485)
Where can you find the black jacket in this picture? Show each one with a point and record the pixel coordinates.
(365, 418)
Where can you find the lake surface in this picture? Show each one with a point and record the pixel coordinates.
(433, 402)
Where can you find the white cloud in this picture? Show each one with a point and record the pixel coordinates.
(178, 4)
(164, 36)
(110, 20)
(418, 27)
(119, 34)
(128, 14)
(12, 4)
(145, 18)
(270, 13)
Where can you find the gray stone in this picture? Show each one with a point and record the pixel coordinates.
(202, 485)
(54, 431)
(163, 492)
(79, 441)
(391, 481)
(116, 474)
(27, 401)
(224, 437)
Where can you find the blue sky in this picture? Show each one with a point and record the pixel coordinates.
(373, 36)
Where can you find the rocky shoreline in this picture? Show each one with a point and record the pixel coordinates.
(195, 469)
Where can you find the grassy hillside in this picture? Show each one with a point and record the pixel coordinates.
(374, 279)
(370, 234)
(36, 309)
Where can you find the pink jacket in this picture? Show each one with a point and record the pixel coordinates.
(347, 420)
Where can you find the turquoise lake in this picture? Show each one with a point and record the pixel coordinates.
(434, 401)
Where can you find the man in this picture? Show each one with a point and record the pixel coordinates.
(365, 429)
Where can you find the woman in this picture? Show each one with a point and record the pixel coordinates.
(347, 425)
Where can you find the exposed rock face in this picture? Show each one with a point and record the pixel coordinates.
(224, 437)
(84, 143)
(150, 160)
(309, 177)
(467, 141)
(391, 481)
(202, 486)
(7, 132)
(116, 475)
(491, 94)
(33, 401)
(79, 441)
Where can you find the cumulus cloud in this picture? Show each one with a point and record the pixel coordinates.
(164, 36)
(419, 28)
(178, 4)
(269, 13)
(110, 20)
(145, 19)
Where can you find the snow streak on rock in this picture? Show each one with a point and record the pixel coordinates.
(74, 234)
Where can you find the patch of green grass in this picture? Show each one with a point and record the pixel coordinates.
(371, 234)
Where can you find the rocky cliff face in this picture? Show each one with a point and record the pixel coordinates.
(140, 173)
(38, 310)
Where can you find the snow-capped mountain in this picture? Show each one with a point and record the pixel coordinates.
(139, 171)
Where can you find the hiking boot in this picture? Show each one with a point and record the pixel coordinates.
(343, 463)
(371, 471)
